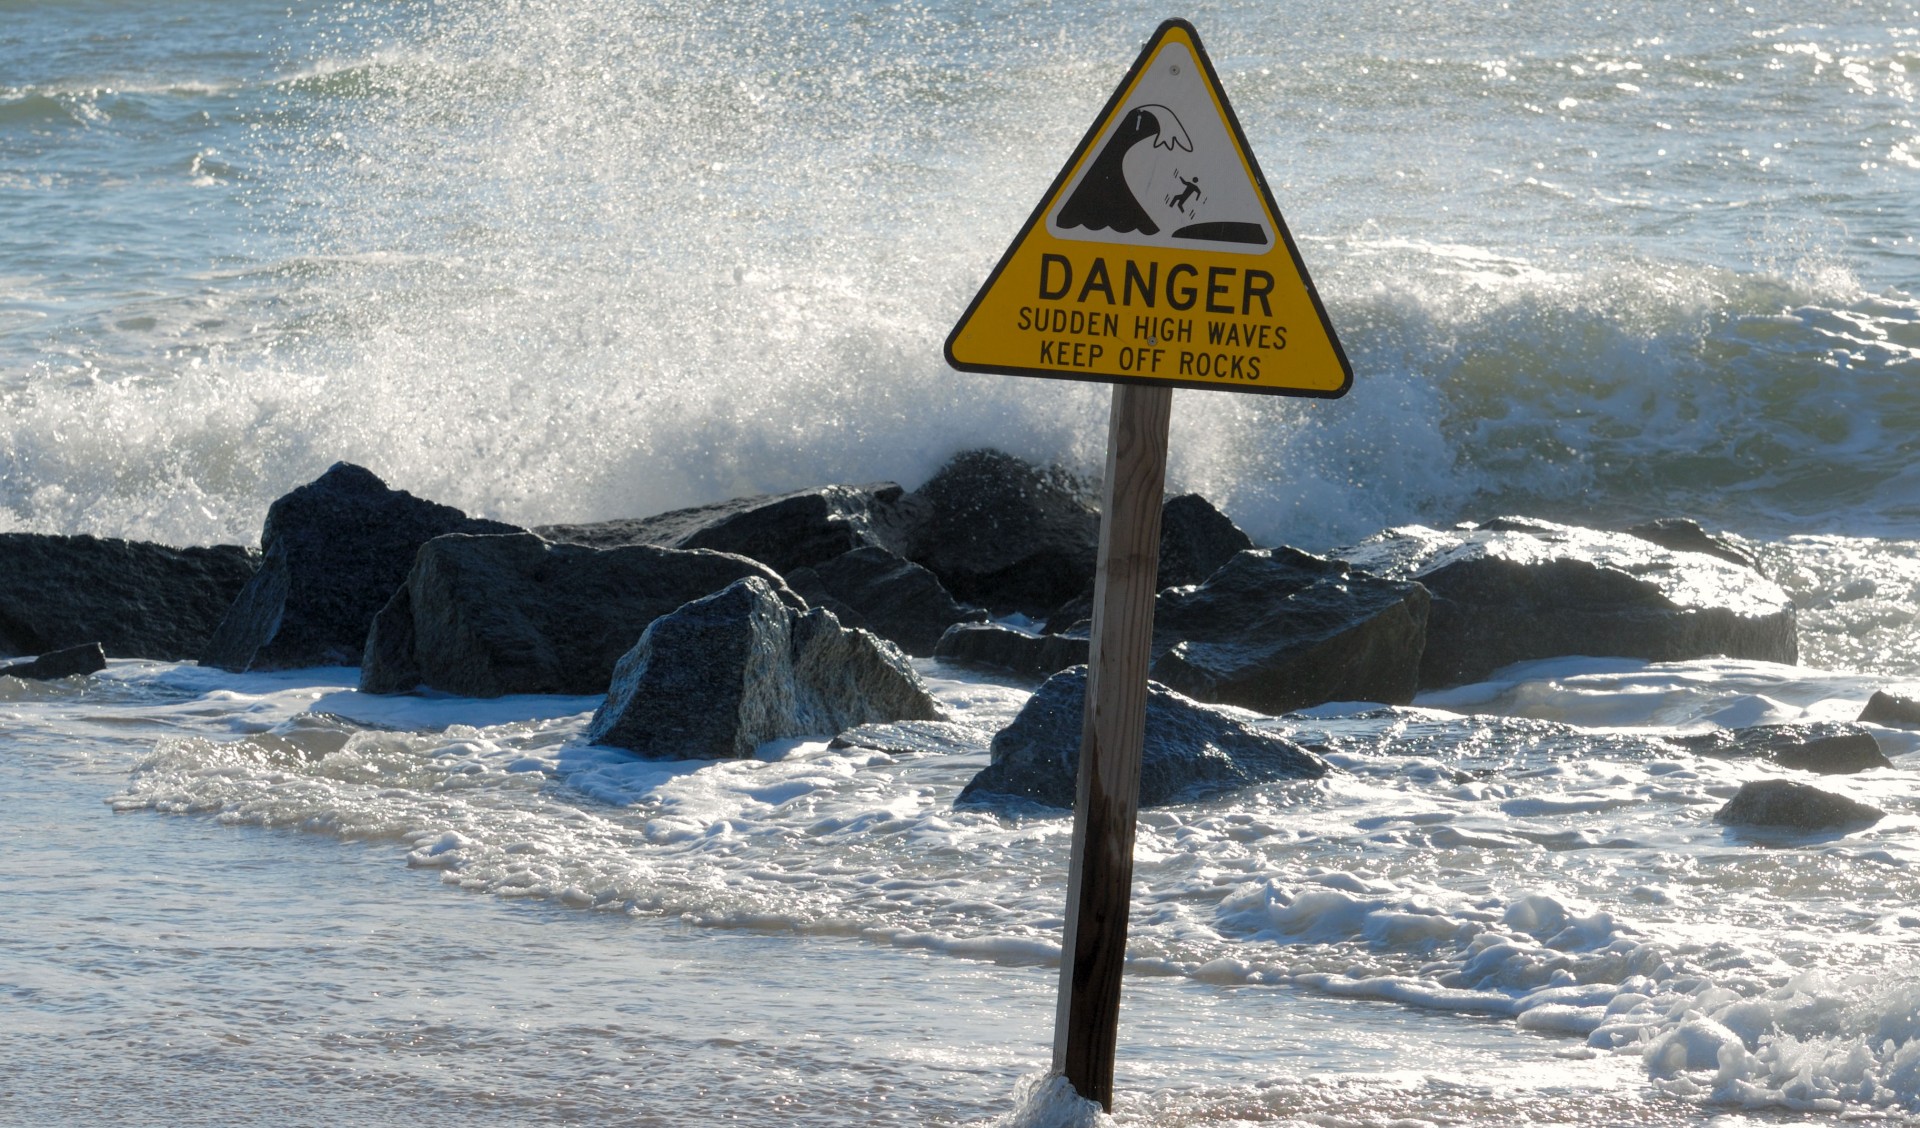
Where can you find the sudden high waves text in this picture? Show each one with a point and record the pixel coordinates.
(1141, 320)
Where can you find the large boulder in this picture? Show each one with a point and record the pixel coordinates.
(1271, 630)
(1517, 589)
(1191, 750)
(333, 551)
(894, 598)
(484, 616)
(1279, 629)
(783, 531)
(722, 675)
(1005, 534)
(74, 661)
(138, 600)
(1782, 804)
(1823, 747)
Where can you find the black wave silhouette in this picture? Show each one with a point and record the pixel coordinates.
(1102, 201)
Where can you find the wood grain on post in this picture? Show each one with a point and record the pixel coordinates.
(1107, 797)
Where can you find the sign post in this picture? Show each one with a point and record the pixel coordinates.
(1107, 790)
(1157, 260)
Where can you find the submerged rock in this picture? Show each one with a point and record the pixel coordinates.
(894, 598)
(917, 738)
(138, 600)
(1517, 589)
(484, 616)
(996, 646)
(1786, 805)
(1884, 708)
(1191, 750)
(74, 661)
(1824, 747)
(802, 529)
(722, 675)
(1002, 533)
(1277, 629)
(334, 551)
(1683, 534)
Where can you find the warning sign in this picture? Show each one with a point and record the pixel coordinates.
(1158, 255)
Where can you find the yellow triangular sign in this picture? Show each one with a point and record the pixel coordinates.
(1158, 256)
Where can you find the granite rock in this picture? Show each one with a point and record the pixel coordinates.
(137, 600)
(722, 675)
(1517, 589)
(333, 552)
(1191, 750)
(484, 616)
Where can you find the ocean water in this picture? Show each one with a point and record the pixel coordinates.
(560, 260)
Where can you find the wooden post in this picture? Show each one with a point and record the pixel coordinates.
(1107, 795)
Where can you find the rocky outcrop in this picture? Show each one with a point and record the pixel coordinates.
(1271, 630)
(1683, 534)
(333, 552)
(1004, 534)
(74, 661)
(722, 675)
(484, 616)
(1782, 804)
(894, 598)
(1516, 589)
(1884, 708)
(802, 529)
(138, 600)
(1191, 750)
(1823, 747)
(1278, 629)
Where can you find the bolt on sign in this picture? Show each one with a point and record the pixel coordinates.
(1158, 255)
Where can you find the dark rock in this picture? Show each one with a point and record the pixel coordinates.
(390, 663)
(917, 738)
(74, 661)
(1277, 629)
(1786, 805)
(492, 615)
(894, 598)
(1895, 712)
(1683, 534)
(1519, 589)
(1075, 615)
(996, 646)
(1823, 747)
(722, 675)
(783, 531)
(1191, 750)
(1005, 534)
(1195, 540)
(138, 600)
(1271, 630)
(334, 551)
